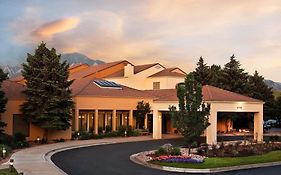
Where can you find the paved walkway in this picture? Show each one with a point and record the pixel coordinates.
(36, 160)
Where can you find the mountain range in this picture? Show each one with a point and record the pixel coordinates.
(71, 58)
(74, 58)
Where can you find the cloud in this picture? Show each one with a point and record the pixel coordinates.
(49, 29)
(172, 32)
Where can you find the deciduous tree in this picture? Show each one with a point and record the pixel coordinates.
(192, 118)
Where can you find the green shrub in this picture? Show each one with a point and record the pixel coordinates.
(111, 134)
(108, 129)
(59, 140)
(100, 130)
(7, 148)
(161, 151)
(175, 151)
(7, 139)
(121, 130)
(20, 140)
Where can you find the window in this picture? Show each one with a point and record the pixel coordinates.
(156, 85)
(20, 125)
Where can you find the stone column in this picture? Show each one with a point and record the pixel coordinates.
(157, 125)
(258, 126)
(211, 131)
(96, 121)
(114, 120)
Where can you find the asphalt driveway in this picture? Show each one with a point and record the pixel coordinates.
(114, 160)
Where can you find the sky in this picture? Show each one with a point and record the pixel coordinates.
(174, 33)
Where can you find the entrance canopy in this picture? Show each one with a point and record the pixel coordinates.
(220, 101)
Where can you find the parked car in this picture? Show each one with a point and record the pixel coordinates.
(266, 125)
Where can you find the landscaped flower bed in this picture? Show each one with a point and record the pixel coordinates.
(168, 153)
(192, 158)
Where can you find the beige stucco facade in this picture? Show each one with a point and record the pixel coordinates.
(92, 111)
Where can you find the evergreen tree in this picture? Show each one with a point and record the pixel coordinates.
(142, 109)
(234, 78)
(259, 90)
(192, 118)
(215, 76)
(49, 102)
(202, 72)
(3, 99)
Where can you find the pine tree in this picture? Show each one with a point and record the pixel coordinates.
(142, 109)
(49, 102)
(3, 99)
(192, 118)
(215, 76)
(258, 88)
(234, 78)
(202, 72)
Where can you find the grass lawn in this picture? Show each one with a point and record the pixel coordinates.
(216, 162)
(7, 172)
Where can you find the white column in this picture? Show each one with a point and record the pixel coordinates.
(131, 118)
(258, 126)
(145, 122)
(114, 120)
(211, 132)
(76, 123)
(88, 121)
(157, 125)
(96, 121)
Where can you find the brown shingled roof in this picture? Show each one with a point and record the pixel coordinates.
(87, 87)
(93, 69)
(13, 90)
(72, 66)
(137, 69)
(210, 93)
(169, 72)
(17, 78)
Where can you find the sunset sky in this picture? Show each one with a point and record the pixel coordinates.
(172, 32)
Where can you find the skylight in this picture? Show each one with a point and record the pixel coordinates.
(107, 84)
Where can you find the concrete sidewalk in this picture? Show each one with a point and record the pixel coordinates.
(36, 160)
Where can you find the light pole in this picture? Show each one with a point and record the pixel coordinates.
(38, 140)
(4, 152)
(11, 165)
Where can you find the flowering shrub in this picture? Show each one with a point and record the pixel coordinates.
(192, 158)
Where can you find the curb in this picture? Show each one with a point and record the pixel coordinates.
(134, 158)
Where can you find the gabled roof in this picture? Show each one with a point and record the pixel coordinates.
(94, 69)
(13, 90)
(137, 69)
(170, 72)
(87, 87)
(210, 93)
